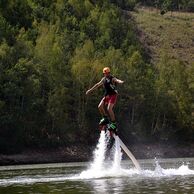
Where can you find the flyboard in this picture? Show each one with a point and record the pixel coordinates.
(124, 148)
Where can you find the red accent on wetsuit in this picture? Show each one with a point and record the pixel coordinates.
(110, 99)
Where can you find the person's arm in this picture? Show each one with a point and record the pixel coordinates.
(97, 85)
(117, 80)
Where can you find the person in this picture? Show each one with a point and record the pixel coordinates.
(109, 100)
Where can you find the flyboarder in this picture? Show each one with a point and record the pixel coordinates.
(109, 100)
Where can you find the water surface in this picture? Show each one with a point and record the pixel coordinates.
(169, 176)
(104, 174)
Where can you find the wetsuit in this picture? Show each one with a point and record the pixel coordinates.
(110, 90)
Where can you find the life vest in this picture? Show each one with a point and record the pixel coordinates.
(109, 86)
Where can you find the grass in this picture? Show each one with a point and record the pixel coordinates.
(172, 34)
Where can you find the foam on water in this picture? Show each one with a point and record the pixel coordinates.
(183, 170)
(32, 180)
(160, 172)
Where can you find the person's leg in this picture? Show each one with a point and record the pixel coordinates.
(112, 126)
(111, 103)
(110, 112)
(101, 108)
(103, 112)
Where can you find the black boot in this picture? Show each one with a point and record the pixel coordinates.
(112, 126)
(104, 121)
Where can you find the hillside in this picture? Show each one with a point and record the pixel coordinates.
(171, 33)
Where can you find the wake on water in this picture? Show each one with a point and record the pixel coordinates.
(100, 168)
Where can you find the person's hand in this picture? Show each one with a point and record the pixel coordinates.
(88, 91)
(120, 81)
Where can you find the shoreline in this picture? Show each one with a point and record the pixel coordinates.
(85, 154)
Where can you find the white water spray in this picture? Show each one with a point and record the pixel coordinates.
(98, 168)
(117, 155)
(99, 153)
(97, 165)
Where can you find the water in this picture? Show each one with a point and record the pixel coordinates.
(102, 175)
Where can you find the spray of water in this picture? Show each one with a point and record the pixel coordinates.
(114, 169)
(99, 153)
(98, 167)
(117, 155)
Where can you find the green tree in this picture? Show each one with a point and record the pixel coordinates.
(17, 12)
(173, 98)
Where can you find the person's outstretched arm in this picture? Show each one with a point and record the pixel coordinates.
(97, 85)
(117, 80)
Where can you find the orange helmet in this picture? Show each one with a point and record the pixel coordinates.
(106, 70)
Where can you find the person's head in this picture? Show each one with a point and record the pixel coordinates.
(106, 71)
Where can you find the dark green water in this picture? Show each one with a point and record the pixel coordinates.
(166, 176)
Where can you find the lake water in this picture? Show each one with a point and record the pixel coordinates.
(101, 175)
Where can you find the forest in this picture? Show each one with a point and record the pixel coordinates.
(52, 51)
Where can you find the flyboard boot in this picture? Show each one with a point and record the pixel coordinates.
(103, 123)
(112, 127)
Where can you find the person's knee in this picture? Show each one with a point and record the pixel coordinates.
(100, 106)
(109, 109)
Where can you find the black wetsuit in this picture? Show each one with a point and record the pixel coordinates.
(109, 86)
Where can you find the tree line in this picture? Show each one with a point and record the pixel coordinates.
(52, 51)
